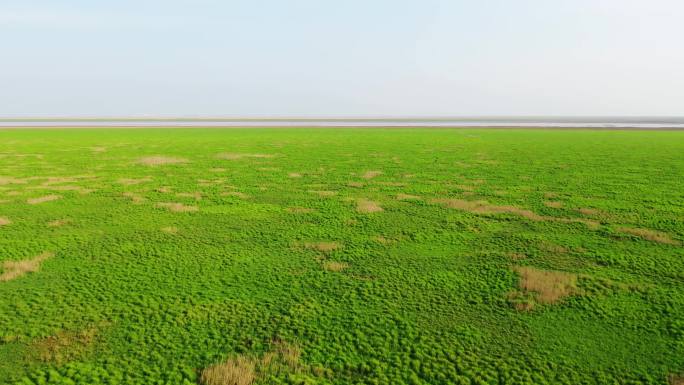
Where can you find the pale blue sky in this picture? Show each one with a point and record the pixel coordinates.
(352, 57)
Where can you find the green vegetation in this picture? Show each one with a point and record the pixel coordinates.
(341, 256)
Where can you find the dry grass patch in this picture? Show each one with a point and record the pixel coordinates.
(136, 198)
(294, 175)
(325, 247)
(235, 371)
(133, 181)
(588, 211)
(59, 222)
(546, 286)
(550, 195)
(334, 266)
(235, 194)
(16, 269)
(407, 197)
(516, 256)
(371, 174)
(235, 156)
(170, 230)
(65, 346)
(98, 149)
(367, 206)
(554, 205)
(323, 193)
(195, 195)
(649, 235)
(674, 379)
(159, 160)
(4, 221)
(483, 207)
(47, 198)
(355, 184)
(177, 207)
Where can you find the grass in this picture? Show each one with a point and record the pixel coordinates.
(341, 256)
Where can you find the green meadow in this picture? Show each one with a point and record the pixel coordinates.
(341, 256)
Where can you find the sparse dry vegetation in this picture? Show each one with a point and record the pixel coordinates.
(15, 269)
(367, 206)
(649, 235)
(546, 286)
(43, 199)
(160, 160)
(177, 207)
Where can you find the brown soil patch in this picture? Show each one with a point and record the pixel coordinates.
(299, 210)
(47, 198)
(235, 156)
(177, 207)
(371, 174)
(4, 221)
(649, 235)
(58, 222)
(323, 193)
(294, 175)
(554, 205)
(334, 266)
(323, 246)
(160, 160)
(367, 206)
(546, 286)
(170, 230)
(674, 379)
(133, 181)
(235, 194)
(16, 269)
(407, 197)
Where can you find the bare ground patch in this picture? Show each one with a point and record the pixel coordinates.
(4, 221)
(367, 206)
(649, 235)
(159, 160)
(177, 207)
(16, 269)
(39, 200)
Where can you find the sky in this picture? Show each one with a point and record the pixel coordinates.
(341, 58)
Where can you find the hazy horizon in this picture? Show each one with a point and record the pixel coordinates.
(456, 59)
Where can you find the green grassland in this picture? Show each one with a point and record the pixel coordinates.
(352, 256)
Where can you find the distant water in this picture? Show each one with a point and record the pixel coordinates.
(537, 122)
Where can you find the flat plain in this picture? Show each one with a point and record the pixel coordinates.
(341, 256)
